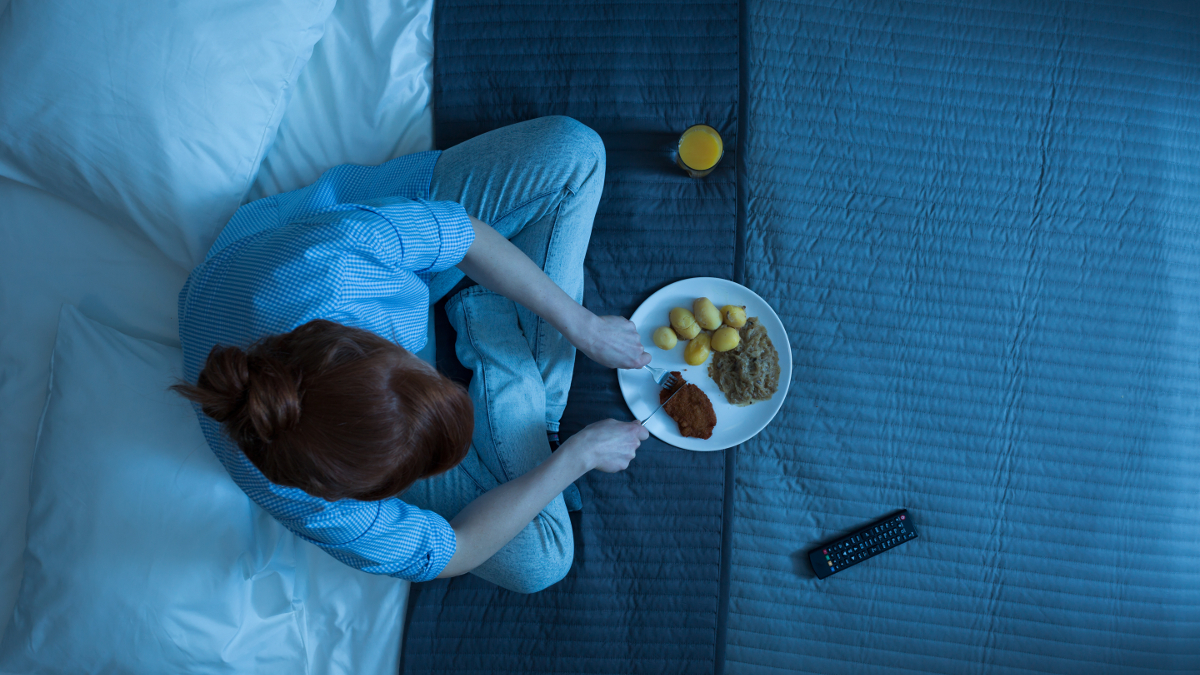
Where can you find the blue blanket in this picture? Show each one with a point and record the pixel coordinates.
(981, 228)
(979, 224)
(642, 594)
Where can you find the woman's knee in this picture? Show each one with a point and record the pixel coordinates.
(531, 585)
(569, 134)
(554, 562)
(546, 575)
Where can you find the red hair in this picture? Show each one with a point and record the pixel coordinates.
(338, 412)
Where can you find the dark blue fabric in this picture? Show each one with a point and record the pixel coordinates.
(642, 594)
(980, 224)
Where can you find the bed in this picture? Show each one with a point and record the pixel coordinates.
(92, 281)
(978, 224)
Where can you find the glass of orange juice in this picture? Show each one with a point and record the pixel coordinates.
(700, 148)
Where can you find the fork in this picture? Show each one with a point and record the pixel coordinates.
(665, 380)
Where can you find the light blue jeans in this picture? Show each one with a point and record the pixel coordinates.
(538, 183)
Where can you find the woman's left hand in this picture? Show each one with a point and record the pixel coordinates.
(613, 342)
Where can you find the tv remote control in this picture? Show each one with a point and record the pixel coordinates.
(867, 543)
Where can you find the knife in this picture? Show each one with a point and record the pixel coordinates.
(662, 404)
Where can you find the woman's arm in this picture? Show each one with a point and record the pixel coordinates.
(495, 517)
(496, 264)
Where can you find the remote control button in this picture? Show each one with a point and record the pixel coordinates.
(867, 542)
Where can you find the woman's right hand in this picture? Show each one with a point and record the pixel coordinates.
(607, 445)
(611, 341)
(495, 517)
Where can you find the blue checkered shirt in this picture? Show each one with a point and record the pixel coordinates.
(357, 247)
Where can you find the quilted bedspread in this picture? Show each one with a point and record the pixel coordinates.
(980, 225)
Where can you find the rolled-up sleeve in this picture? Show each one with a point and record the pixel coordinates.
(395, 234)
(433, 236)
(439, 546)
(403, 541)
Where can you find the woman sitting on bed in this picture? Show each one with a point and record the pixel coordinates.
(299, 330)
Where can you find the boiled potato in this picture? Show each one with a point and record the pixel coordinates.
(724, 339)
(697, 350)
(706, 314)
(689, 333)
(734, 316)
(665, 338)
(684, 323)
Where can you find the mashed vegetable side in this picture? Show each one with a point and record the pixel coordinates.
(750, 372)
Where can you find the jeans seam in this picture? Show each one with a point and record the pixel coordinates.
(482, 489)
(483, 385)
(538, 346)
(529, 201)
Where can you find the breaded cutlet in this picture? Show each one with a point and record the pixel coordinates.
(691, 409)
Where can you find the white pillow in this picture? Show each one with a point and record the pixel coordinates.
(143, 556)
(155, 115)
(364, 97)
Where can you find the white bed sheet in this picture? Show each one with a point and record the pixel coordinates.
(52, 253)
(365, 97)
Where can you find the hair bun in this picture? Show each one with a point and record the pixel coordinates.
(272, 397)
(223, 382)
(256, 396)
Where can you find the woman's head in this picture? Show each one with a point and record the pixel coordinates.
(338, 412)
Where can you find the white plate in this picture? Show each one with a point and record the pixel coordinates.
(734, 425)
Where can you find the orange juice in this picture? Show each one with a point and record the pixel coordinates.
(700, 149)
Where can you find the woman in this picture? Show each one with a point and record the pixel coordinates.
(299, 329)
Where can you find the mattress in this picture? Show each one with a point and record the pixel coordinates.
(979, 226)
